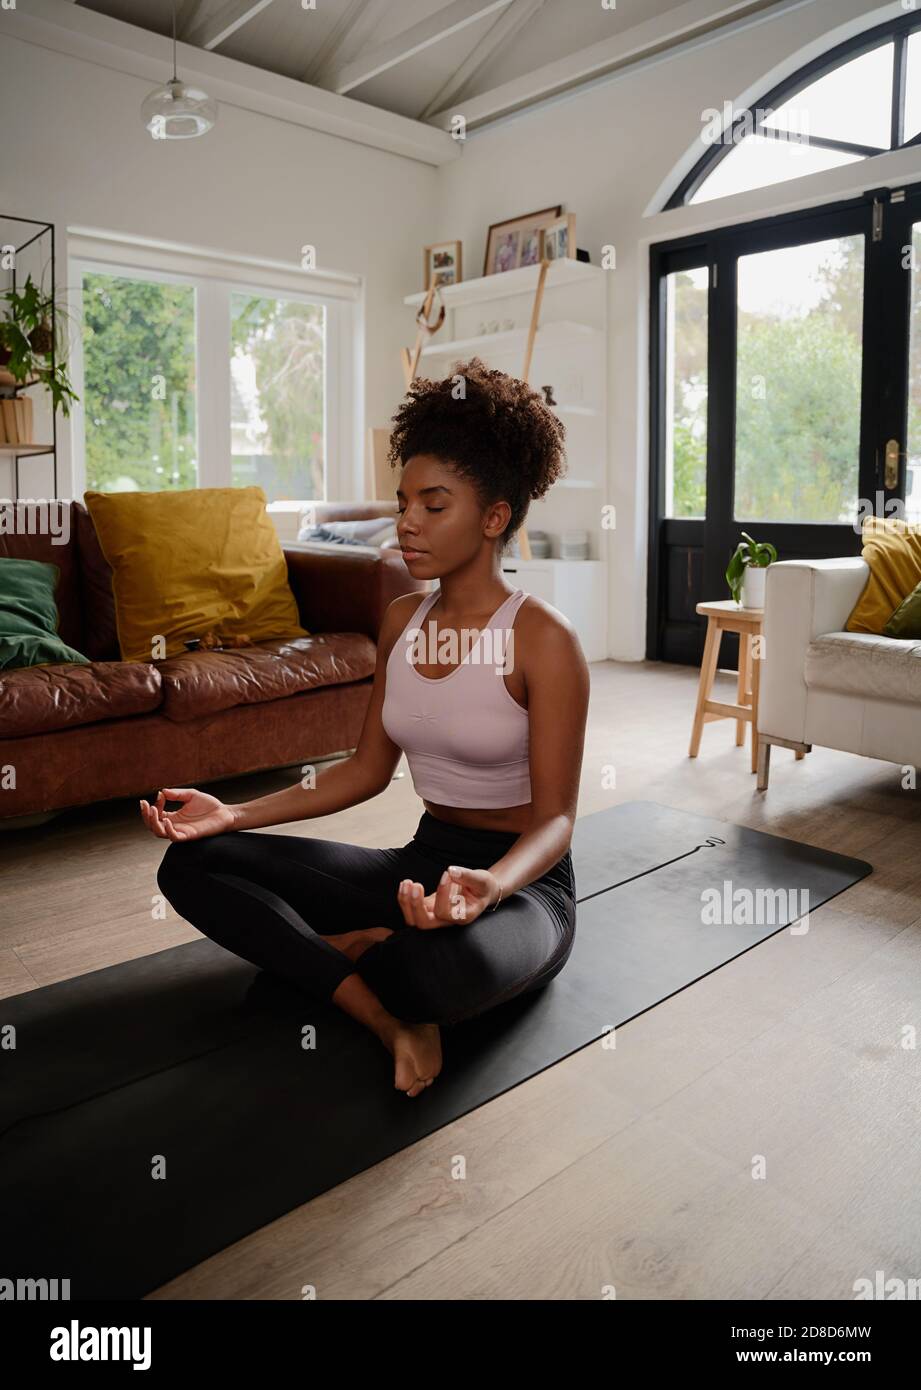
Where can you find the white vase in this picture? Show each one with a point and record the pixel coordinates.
(753, 586)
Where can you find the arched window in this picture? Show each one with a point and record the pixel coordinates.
(861, 99)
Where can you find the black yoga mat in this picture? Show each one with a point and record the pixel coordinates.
(196, 1056)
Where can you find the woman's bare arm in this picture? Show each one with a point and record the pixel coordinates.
(359, 778)
(557, 678)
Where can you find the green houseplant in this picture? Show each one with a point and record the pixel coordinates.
(745, 572)
(26, 342)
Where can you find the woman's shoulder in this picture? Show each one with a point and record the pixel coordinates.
(545, 634)
(537, 616)
(396, 619)
(400, 609)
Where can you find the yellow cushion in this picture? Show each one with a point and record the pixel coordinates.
(892, 549)
(184, 563)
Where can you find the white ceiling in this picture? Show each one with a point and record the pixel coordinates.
(426, 59)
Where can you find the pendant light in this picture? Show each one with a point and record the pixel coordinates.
(176, 111)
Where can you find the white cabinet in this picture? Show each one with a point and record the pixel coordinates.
(577, 588)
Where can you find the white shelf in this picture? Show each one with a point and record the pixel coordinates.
(571, 353)
(524, 281)
(548, 334)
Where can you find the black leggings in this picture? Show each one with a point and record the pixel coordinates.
(266, 898)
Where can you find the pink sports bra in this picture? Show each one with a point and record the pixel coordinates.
(464, 736)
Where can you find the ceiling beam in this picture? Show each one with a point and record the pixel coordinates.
(441, 25)
(84, 36)
(500, 34)
(187, 15)
(213, 30)
(355, 25)
(695, 20)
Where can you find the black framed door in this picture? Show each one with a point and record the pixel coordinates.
(897, 344)
(782, 400)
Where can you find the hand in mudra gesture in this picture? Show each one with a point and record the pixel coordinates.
(462, 895)
(198, 816)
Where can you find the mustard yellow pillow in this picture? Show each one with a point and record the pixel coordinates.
(184, 563)
(892, 549)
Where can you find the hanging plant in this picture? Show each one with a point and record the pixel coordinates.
(27, 342)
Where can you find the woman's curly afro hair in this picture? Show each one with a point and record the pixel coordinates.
(492, 428)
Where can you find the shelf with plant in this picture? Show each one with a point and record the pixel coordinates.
(31, 346)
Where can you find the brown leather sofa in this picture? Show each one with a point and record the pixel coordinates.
(74, 734)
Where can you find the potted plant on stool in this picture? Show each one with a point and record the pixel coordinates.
(745, 574)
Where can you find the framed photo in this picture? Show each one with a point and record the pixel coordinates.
(443, 260)
(558, 240)
(517, 242)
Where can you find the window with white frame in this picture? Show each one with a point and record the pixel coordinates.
(190, 377)
(139, 382)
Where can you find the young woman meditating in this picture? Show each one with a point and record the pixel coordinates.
(486, 689)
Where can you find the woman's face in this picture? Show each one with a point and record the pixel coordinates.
(442, 523)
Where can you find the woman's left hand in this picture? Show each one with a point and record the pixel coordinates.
(462, 895)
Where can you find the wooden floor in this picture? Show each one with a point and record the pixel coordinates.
(631, 1166)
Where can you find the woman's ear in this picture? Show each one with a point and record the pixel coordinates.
(498, 519)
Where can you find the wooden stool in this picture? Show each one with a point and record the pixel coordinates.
(726, 616)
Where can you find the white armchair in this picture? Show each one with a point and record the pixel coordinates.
(819, 684)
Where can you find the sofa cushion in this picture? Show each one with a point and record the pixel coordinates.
(29, 616)
(45, 531)
(373, 531)
(187, 562)
(100, 634)
(905, 622)
(892, 549)
(39, 699)
(858, 663)
(197, 683)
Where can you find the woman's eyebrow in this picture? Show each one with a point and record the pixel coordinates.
(436, 487)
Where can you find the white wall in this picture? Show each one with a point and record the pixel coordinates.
(605, 153)
(75, 153)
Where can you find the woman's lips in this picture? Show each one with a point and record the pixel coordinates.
(409, 553)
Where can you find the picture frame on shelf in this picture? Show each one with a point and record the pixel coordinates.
(558, 240)
(444, 261)
(516, 242)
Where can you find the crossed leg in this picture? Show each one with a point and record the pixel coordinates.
(275, 900)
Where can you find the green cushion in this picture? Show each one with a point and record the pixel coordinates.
(29, 616)
(906, 620)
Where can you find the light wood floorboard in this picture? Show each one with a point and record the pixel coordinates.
(628, 1166)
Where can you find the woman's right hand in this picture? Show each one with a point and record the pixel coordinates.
(198, 816)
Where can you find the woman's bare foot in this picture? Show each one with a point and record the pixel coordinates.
(416, 1049)
(354, 943)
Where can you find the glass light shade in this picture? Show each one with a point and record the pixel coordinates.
(178, 112)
